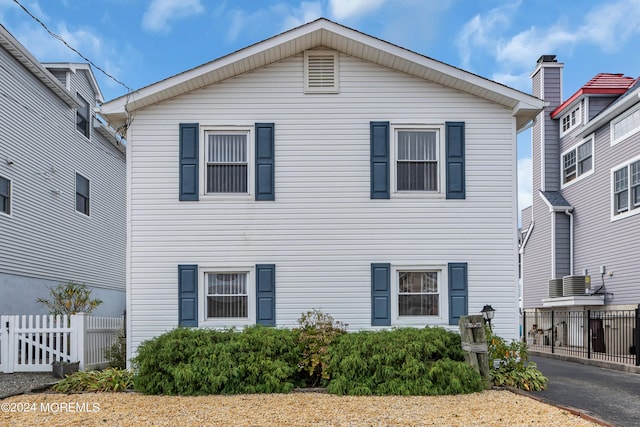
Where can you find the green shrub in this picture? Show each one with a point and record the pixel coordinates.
(316, 332)
(200, 361)
(117, 353)
(510, 366)
(112, 379)
(405, 361)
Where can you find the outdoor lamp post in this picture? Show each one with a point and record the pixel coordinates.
(487, 313)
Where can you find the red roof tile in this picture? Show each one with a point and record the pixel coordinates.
(603, 84)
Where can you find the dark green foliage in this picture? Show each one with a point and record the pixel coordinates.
(512, 367)
(117, 353)
(112, 379)
(201, 361)
(316, 332)
(405, 361)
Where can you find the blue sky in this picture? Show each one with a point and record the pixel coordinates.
(141, 42)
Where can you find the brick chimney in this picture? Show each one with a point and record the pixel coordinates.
(546, 79)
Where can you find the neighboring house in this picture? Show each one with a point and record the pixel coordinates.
(62, 185)
(580, 241)
(321, 168)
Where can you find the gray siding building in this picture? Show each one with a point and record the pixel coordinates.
(62, 185)
(583, 226)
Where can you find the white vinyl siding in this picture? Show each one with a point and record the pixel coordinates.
(322, 231)
(625, 126)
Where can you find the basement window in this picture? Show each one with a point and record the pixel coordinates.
(321, 72)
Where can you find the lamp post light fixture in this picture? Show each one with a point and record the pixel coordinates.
(487, 313)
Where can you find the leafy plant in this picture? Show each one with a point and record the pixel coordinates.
(510, 366)
(70, 298)
(117, 353)
(201, 361)
(112, 379)
(316, 332)
(404, 361)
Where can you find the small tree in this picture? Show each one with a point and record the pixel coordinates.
(70, 298)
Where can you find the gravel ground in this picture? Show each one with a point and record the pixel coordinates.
(490, 408)
(24, 382)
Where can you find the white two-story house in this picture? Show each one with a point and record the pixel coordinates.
(321, 168)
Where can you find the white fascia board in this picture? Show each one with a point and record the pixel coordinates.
(520, 100)
(74, 67)
(610, 113)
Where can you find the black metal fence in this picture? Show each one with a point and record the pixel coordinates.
(608, 335)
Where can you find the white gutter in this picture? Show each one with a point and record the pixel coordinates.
(568, 212)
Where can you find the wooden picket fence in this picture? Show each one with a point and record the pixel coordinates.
(31, 343)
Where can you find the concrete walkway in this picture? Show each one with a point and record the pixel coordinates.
(607, 394)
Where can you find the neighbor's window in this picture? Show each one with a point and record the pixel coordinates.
(417, 160)
(626, 189)
(82, 194)
(577, 161)
(5, 195)
(227, 295)
(83, 116)
(227, 162)
(418, 293)
(570, 120)
(625, 126)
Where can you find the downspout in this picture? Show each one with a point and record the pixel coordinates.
(568, 212)
(553, 244)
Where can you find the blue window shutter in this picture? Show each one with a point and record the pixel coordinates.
(458, 291)
(188, 295)
(379, 134)
(380, 294)
(189, 158)
(266, 294)
(454, 134)
(265, 180)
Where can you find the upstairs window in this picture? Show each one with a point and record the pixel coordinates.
(417, 166)
(227, 162)
(5, 196)
(570, 120)
(82, 194)
(626, 190)
(577, 161)
(321, 71)
(625, 126)
(83, 116)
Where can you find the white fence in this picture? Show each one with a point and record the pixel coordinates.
(31, 343)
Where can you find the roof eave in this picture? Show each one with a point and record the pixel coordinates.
(74, 67)
(328, 34)
(610, 113)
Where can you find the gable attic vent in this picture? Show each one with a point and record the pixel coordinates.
(321, 72)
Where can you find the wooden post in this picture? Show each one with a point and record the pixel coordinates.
(474, 345)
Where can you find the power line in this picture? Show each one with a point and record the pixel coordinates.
(56, 36)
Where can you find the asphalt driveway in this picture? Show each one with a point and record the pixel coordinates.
(612, 396)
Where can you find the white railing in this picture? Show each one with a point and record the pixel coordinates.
(31, 343)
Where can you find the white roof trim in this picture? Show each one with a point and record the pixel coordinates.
(22, 55)
(74, 67)
(327, 34)
(618, 107)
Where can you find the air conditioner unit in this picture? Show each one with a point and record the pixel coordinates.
(555, 288)
(573, 285)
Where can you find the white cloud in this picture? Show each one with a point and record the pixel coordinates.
(307, 12)
(157, 16)
(345, 9)
(525, 183)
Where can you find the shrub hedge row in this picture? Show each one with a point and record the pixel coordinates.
(402, 361)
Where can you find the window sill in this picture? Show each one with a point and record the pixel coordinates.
(578, 179)
(627, 214)
(418, 195)
(227, 197)
(219, 323)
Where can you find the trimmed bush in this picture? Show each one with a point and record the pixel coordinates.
(405, 361)
(202, 361)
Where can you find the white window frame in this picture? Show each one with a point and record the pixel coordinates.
(336, 71)
(88, 119)
(626, 115)
(589, 140)
(75, 193)
(240, 129)
(440, 150)
(574, 117)
(631, 211)
(221, 322)
(443, 297)
(10, 197)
